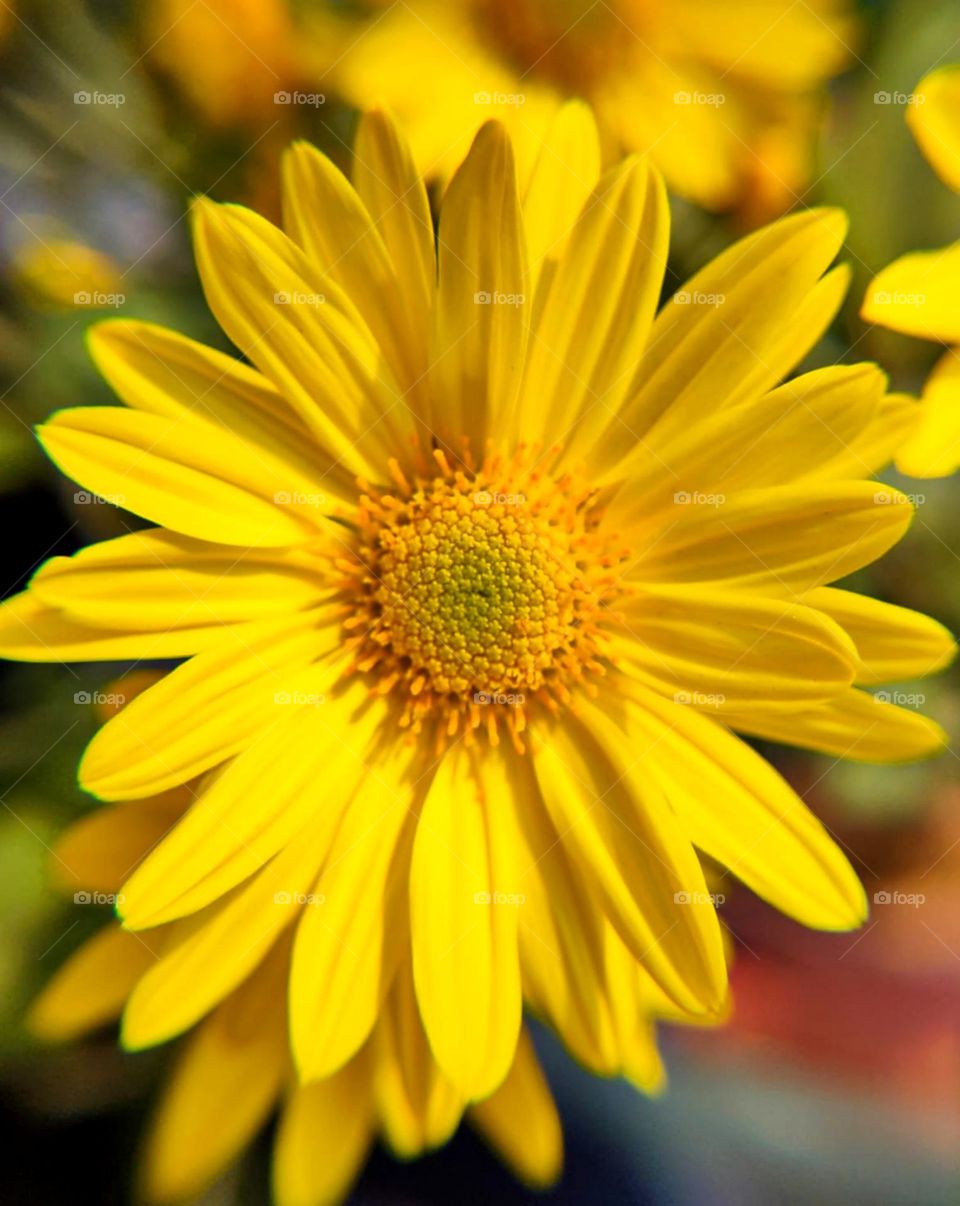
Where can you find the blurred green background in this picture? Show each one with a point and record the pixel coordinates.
(838, 1079)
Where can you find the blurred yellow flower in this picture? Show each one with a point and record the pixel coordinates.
(919, 294)
(477, 566)
(229, 58)
(725, 98)
(62, 272)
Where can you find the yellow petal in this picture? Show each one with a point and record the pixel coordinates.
(933, 449)
(521, 1122)
(324, 215)
(636, 1000)
(156, 370)
(347, 948)
(206, 710)
(465, 961)
(854, 725)
(619, 828)
(307, 759)
(791, 434)
(156, 580)
(90, 989)
(394, 193)
(727, 647)
(324, 1133)
(935, 122)
(561, 936)
(480, 317)
(222, 1090)
(564, 174)
(419, 1108)
(30, 631)
(917, 294)
(894, 421)
(98, 852)
(734, 806)
(892, 642)
(171, 472)
(303, 333)
(780, 541)
(208, 955)
(595, 318)
(720, 340)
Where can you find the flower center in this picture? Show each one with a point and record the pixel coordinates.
(478, 595)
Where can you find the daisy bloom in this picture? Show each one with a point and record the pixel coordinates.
(726, 99)
(234, 1069)
(475, 568)
(917, 294)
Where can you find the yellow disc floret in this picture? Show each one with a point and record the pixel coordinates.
(480, 594)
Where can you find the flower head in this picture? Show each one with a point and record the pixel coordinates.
(726, 102)
(917, 294)
(477, 567)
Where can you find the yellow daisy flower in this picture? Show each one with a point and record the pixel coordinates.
(475, 568)
(726, 101)
(917, 294)
(235, 1068)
